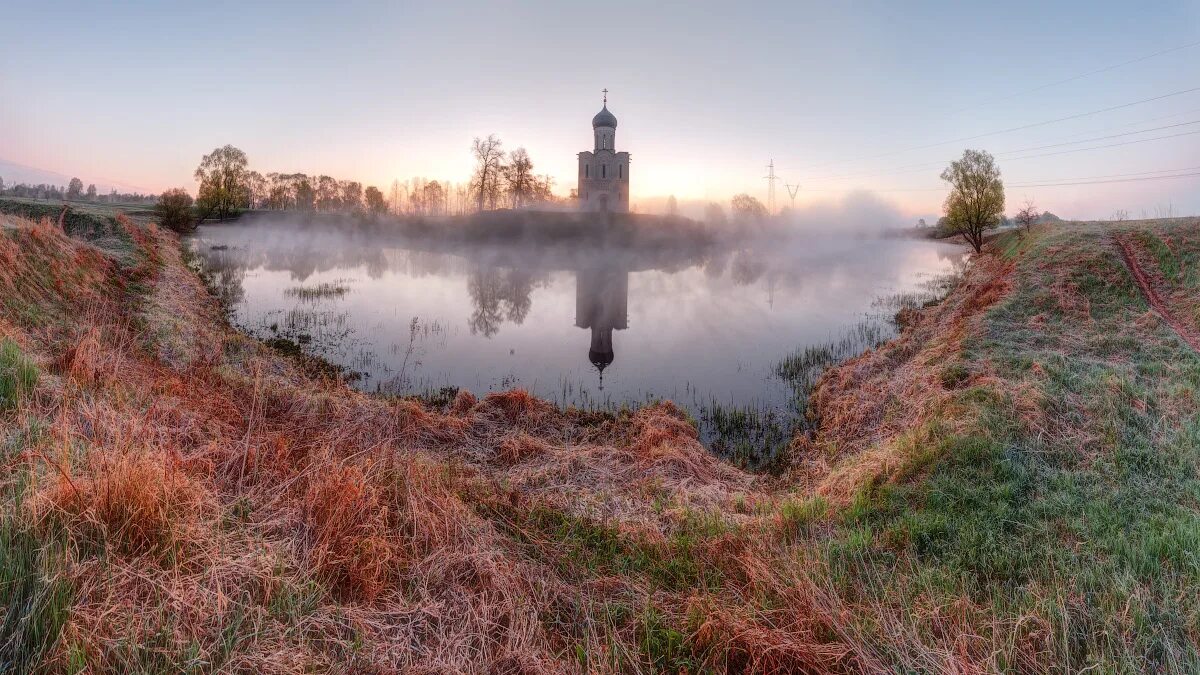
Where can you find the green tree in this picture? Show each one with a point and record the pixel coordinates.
(174, 210)
(976, 200)
(305, 194)
(329, 194)
(352, 195)
(223, 181)
(74, 189)
(376, 204)
(91, 192)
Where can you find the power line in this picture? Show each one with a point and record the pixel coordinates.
(1017, 128)
(1075, 77)
(1051, 183)
(928, 165)
(1103, 138)
(1100, 147)
(1136, 173)
(925, 165)
(1101, 182)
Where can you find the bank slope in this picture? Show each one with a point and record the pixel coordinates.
(1018, 472)
(1009, 485)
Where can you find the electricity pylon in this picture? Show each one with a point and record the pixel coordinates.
(771, 178)
(792, 191)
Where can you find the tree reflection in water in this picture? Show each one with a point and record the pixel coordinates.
(499, 294)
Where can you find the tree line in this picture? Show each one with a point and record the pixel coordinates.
(227, 185)
(73, 191)
(507, 180)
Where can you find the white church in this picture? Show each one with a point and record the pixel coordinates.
(604, 172)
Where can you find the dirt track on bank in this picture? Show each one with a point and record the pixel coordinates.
(1185, 332)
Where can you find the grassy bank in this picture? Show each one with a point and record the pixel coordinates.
(1009, 485)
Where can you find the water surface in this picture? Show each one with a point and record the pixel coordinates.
(587, 325)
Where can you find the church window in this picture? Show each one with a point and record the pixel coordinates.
(587, 170)
(620, 171)
(604, 171)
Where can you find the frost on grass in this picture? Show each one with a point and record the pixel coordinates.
(195, 499)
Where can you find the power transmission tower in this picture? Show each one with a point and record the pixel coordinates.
(792, 191)
(771, 178)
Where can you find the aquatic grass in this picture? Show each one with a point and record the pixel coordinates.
(803, 368)
(752, 438)
(326, 290)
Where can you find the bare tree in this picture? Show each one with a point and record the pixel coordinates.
(976, 200)
(1120, 215)
(746, 208)
(489, 160)
(75, 189)
(1028, 215)
(256, 190)
(433, 196)
(395, 196)
(519, 179)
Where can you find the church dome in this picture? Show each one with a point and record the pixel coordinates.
(604, 119)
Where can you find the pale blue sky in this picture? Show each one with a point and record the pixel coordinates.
(705, 93)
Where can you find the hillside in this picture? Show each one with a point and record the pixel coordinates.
(1010, 485)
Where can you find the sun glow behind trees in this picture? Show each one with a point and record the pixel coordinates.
(501, 180)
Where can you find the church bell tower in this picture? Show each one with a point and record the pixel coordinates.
(604, 172)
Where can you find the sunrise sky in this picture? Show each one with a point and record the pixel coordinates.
(848, 95)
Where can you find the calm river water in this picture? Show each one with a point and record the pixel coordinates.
(588, 326)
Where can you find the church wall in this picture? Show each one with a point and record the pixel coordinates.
(595, 180)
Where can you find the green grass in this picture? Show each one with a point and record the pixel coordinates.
(35, 598)
(1090, 524)
(18, 375)
(581, 547)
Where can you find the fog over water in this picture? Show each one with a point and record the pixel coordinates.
(580, 323)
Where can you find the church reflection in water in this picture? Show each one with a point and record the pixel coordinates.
(602, 306)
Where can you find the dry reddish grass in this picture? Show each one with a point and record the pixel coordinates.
(343, 532)
(139, 503)
(867, 404)
(229, 483)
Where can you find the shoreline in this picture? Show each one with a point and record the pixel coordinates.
(1004, 450)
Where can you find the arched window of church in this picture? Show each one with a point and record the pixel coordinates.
(620, 171)
(604, 171)
(587, 170)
